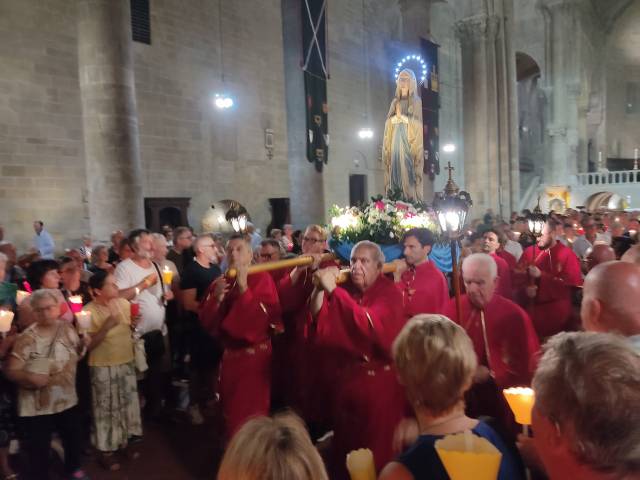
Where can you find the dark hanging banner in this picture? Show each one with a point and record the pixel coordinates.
(314, 64)
(430, 109)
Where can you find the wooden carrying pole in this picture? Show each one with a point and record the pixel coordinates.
(301, 261)
(346, 273)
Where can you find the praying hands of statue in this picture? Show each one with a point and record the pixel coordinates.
(532, 291)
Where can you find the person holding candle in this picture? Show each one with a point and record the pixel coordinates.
(585, 418)
(43, 365)
(71, 283)
(428, 344)
(43, 274)
(355, 325)
(139, 278)
(242, 316)
(503, 338)
(114, 391)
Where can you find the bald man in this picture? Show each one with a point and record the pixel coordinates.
(632, 255)
(503, 337)
(605, 303)
(599, 253)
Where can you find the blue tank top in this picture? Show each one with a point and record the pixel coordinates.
(422, 460)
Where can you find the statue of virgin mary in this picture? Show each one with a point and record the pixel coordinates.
(402, 149)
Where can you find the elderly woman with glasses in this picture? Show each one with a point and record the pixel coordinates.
(43, 365)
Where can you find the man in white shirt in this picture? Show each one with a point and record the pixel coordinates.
(42, 241)
(139, 281)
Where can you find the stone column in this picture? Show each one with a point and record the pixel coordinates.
(489, 96)
(109, 114)
(305, 183)
(563, 87)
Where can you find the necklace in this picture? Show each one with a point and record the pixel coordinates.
(443, 421)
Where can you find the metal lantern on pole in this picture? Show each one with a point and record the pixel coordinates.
(237, 217)
(536, 221)
(451, 207)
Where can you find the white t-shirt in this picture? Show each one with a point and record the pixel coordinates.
(129, 274)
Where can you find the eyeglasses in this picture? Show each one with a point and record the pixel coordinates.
(311, 240)
(268, 256)
(48, 307)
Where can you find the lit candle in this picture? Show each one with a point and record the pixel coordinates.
(21, 295)
(635, 154)
(465, 455)
(520, 401)
(6, 317)
(84, 320)
(76, 303)
(360, 464)
(599, 158)
(167, 275)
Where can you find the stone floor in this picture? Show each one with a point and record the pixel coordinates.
(172, 449)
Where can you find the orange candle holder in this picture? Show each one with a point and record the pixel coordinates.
(520, 400)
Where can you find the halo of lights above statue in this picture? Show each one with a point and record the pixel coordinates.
(451, 207)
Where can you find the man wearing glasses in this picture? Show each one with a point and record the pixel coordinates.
(203, 351)
(295, 351)
(271, 251)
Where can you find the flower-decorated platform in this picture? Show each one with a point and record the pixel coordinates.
(384, 221)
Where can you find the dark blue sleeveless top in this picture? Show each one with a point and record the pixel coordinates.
(422, 460)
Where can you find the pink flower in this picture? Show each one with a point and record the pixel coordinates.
(379, 205)
(402, 206)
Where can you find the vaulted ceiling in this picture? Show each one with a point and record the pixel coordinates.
(608, 11)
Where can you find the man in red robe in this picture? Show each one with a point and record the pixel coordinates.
(490, 246)
(546, 277)
(300, 376)
(423, 286)
(243, 314)
(358, 323)
(503, 338)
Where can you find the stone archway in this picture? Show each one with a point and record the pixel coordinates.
(531, 125)
(604, 200)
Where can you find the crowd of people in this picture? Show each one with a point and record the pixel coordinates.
(389, 362)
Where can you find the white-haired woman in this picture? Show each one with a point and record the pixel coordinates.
(43, 365)
(436, 363)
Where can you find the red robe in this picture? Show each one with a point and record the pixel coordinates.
(551, 309)
(359, 328)
(507, 257)
(512, 345)
(424, 290)
(297, 361)
(244, 324)
(504, 277)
